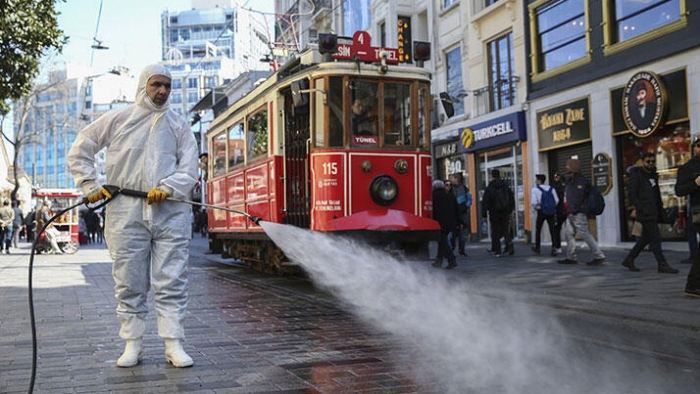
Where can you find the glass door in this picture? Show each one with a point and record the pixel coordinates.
(508, 161)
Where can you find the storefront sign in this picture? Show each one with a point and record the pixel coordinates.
(508, 128)
(602, 173)
(446, 150)
(675, 109)
(643, 103)
(405, 40)
(563, 125)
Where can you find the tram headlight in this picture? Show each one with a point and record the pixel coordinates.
(384, 190)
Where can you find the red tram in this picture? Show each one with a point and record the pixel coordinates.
(333, 146)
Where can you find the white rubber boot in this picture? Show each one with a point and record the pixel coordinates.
(132, 353)
(175, 354)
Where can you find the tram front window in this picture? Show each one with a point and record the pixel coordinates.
(364, 113)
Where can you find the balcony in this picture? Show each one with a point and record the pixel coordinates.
(500, 94)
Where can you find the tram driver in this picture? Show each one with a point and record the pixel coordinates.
(362, 122)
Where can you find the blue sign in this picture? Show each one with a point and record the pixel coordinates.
(499, 131)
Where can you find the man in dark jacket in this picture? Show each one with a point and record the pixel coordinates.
(499, 203)
(559, 185)
(444, 212)
(575, 195)
(644, 193)
(688, 184)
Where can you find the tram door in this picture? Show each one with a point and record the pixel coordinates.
(296, 152)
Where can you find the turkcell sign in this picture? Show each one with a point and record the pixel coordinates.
(505, 129)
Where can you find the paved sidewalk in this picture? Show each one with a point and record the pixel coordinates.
(246, 336)
(249, 334)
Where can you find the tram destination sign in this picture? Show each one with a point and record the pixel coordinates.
(365, 52)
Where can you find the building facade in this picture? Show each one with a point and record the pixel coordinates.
(208, 45)
(609, 82)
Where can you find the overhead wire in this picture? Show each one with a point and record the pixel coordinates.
(94, 38)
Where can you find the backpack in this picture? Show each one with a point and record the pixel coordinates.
(595, 203)
(547, 203)
(464, 200)
(502, 199)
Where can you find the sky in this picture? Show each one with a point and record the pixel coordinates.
(130, 28)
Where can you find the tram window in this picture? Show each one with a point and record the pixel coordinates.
(257, 135)
(364, 113)
(397, 114)
(236, 144)
(335, 117)
(219, 154)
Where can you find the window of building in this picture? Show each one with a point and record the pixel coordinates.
(449, 3)
(560, 32)
(192, 97)
(192, 83)
(501, 68)
(176, 98)
(257, 135)
(635, 17)
(455, 88)
(177, 83)
(210, 82)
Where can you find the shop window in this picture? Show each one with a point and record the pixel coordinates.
(632, 18)
(455, 88)
(257, 135)
(560, 33)
(502, 67)
(671, 145)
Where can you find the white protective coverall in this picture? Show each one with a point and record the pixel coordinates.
(147, 146)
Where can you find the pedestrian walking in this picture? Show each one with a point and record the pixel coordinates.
(17, 223)
(464, 203)
(7, 217)
(498, 203)
(688, 184)
(575, 195)
(149, 147)
(544, 201)
(559, 185)
(444, 212)
(645, 195)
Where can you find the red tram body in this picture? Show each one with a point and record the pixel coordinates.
(290, 152)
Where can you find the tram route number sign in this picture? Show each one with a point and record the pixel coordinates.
(365, 52)
(602, 175)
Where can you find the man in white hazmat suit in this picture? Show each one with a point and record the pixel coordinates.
(149, 147)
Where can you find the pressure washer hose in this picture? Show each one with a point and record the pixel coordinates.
(114, 191)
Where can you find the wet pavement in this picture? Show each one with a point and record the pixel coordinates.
(251, 333)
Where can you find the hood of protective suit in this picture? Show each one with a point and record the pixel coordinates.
(142, 98)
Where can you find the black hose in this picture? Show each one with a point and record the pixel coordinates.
(31, 291)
